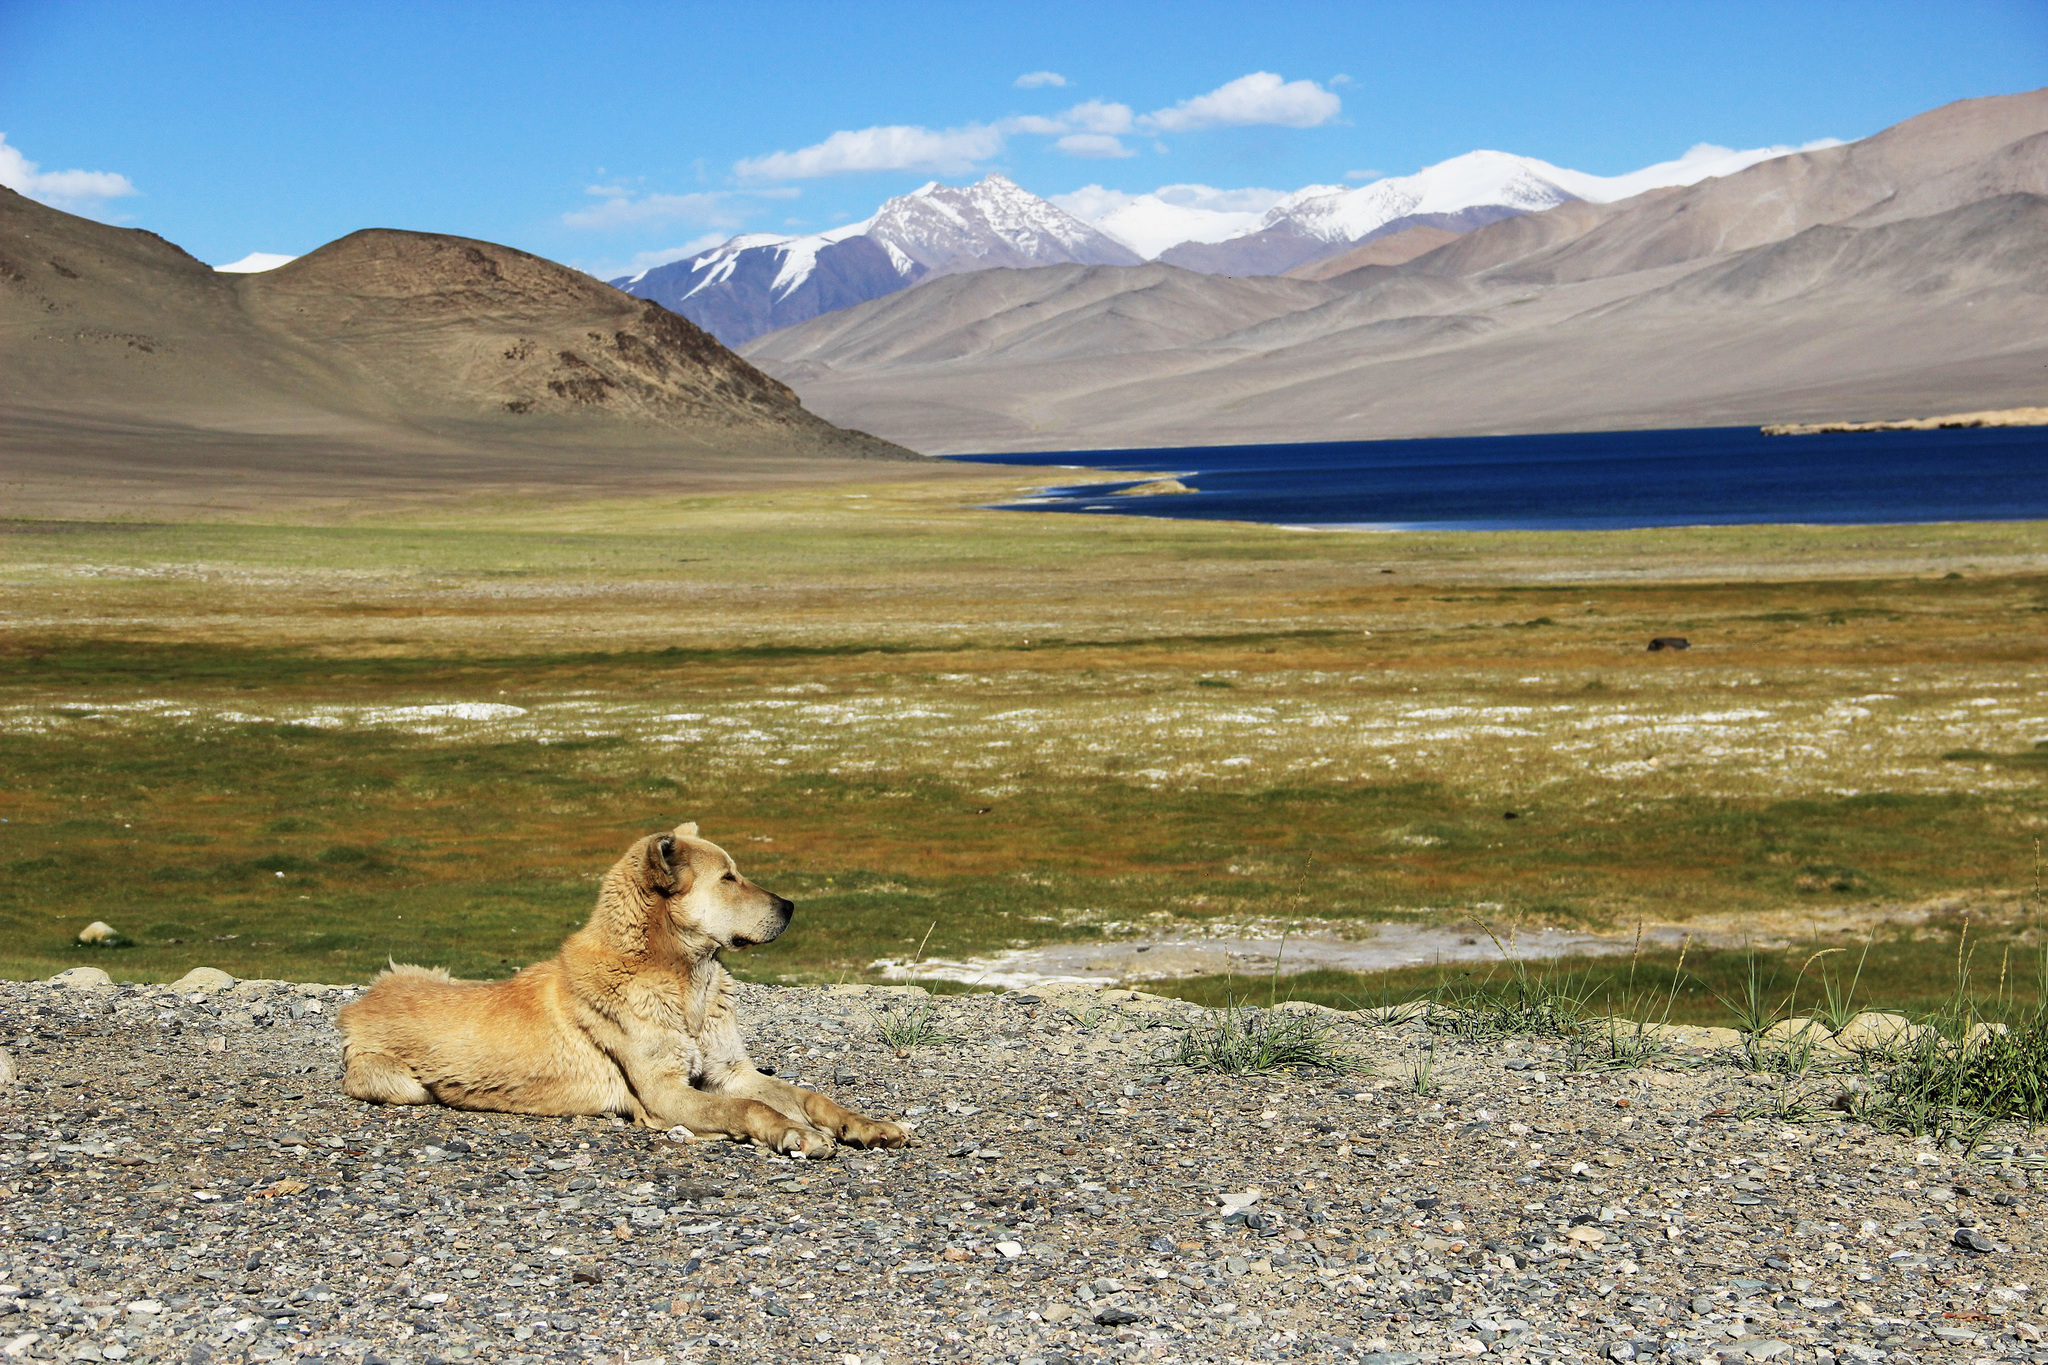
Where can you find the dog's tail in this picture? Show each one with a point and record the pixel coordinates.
(394, 968)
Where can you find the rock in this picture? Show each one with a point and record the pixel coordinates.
(1238, 1203)
(1874, 1032)
(1969, 1239)
(1755, 1348)
(1620, 1350)
(8, 1074)
(1700, 1036)
(100, 934)
(206, 979)
(1115, 1317)
(82, 979)
(1800, 1031)
(1982, 1033)
(1310, 1008)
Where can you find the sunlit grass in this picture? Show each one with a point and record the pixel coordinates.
(1015, 729)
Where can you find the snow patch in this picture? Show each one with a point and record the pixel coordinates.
(255, 263)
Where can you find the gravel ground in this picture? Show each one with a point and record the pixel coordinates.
(184, 1180)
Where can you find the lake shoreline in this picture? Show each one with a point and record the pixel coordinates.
(1714, 476)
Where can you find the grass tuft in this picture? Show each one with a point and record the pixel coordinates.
(1236, 1041)
(1538, 1003)
(912, 1028)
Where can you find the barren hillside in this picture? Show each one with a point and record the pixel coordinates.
(383, 358)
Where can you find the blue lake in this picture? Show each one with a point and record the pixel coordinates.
(1595, 480)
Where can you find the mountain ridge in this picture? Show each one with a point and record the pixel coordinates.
(757, 283)
(1893, 276)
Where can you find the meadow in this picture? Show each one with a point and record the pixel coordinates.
(298, 747)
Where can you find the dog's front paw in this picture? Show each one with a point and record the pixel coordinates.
(806, 1143)
(866, 1132)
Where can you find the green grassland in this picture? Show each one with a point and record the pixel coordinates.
(297, 750)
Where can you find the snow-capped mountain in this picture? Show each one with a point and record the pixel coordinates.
(1150, 223)
(991, 223)
(1336, 213)
(759, 282)
(1460, 194)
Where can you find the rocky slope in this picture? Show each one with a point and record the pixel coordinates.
(185, 1181)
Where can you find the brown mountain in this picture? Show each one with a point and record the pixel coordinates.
(1396, 248)
(383, 357)
(1891, 277)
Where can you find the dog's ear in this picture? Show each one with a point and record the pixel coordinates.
(687, 829)
(659, 863)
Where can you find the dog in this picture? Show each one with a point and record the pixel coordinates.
(634, 1016)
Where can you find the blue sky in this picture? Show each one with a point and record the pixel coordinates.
(601, 133)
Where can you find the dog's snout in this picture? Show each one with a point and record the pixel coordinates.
(785, 907)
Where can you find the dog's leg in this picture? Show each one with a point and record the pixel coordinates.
(671, 1101)
(382, 1080)
(808, 1106)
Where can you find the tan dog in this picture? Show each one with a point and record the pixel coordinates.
(634, 1016)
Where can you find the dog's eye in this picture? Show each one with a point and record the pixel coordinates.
(731, 877)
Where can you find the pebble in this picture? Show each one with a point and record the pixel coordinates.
(1137, 1211)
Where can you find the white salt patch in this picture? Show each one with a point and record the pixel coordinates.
(453, 710)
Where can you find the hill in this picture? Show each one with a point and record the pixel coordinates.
(426, 357)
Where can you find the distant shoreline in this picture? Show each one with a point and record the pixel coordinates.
(1996, 417)
(1701, 476)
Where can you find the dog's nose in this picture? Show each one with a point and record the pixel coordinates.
(785, 906)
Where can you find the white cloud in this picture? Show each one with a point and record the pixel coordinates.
(1090, 116)
(1098, 116)
(647, 260)
(1033, 80)
(63, 189)
(1260, 98)
(255, 263)
(1365, 175)
(897, 147)
(622, 208)
(1098, 145)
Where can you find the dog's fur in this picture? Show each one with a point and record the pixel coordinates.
(633, 1016)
